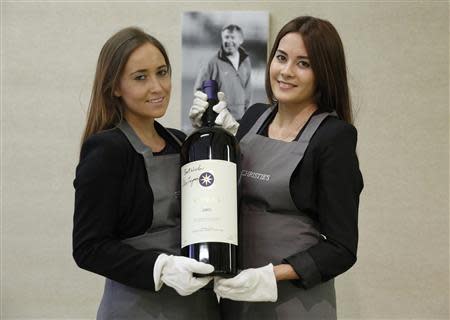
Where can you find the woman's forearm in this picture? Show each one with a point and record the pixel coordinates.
(285, 272)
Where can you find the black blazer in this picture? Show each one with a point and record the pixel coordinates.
(114, 201)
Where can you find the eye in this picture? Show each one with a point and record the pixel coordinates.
(280, 58)
(140, 77)
(163, 72)
(304, 64)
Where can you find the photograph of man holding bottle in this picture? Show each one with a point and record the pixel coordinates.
(231, 68)
(229, 47)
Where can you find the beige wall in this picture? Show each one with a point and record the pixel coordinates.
(398, 56)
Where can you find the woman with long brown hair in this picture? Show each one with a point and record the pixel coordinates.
(298, 226)
(127, 188)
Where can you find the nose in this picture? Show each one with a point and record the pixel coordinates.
(154, 85)
(286, 70)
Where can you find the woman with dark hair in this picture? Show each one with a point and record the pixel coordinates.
(127, 188)
(300, 224)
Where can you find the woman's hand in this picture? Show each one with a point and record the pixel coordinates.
(224, 117)
(250, 285)
(177, 272)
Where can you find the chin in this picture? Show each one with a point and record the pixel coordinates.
(159, 113)
(158, 116)
(283, 97)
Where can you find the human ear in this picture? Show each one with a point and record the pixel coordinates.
(240, 40)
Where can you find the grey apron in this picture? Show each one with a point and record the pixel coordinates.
(272, 228)
(123, 302)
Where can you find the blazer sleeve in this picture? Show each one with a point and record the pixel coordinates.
(339, 184)
(98, 187)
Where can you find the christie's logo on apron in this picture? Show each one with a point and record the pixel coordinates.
(255, 175)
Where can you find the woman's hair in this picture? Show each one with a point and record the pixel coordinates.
(105, 110)
(326, 55)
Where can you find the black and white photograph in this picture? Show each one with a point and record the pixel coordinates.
(229, 47)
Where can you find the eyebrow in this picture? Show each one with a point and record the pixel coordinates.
(146, 70)
(301, 57)
(139, 71)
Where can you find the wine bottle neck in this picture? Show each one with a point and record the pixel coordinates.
(209, 117)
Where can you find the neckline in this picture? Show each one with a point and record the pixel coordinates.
(264, 129)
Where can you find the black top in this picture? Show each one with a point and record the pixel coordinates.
(326, 185)
(114, 201)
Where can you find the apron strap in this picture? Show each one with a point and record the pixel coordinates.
(312, 126)
(310, 129)
(173, 136)
(137, 144)
(254, 129)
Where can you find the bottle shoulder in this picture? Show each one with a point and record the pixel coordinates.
(210, 143)
(206, 131)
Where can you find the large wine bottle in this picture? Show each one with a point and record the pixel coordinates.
(209, 221)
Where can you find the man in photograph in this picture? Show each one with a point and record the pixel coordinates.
(231, 68)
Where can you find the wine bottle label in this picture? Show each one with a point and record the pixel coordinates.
(208, 202)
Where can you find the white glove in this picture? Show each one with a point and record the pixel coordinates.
(250, 285)
(177, 272)
(224, 117)
(199, 106)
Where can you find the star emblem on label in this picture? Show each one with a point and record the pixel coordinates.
(206, 179)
